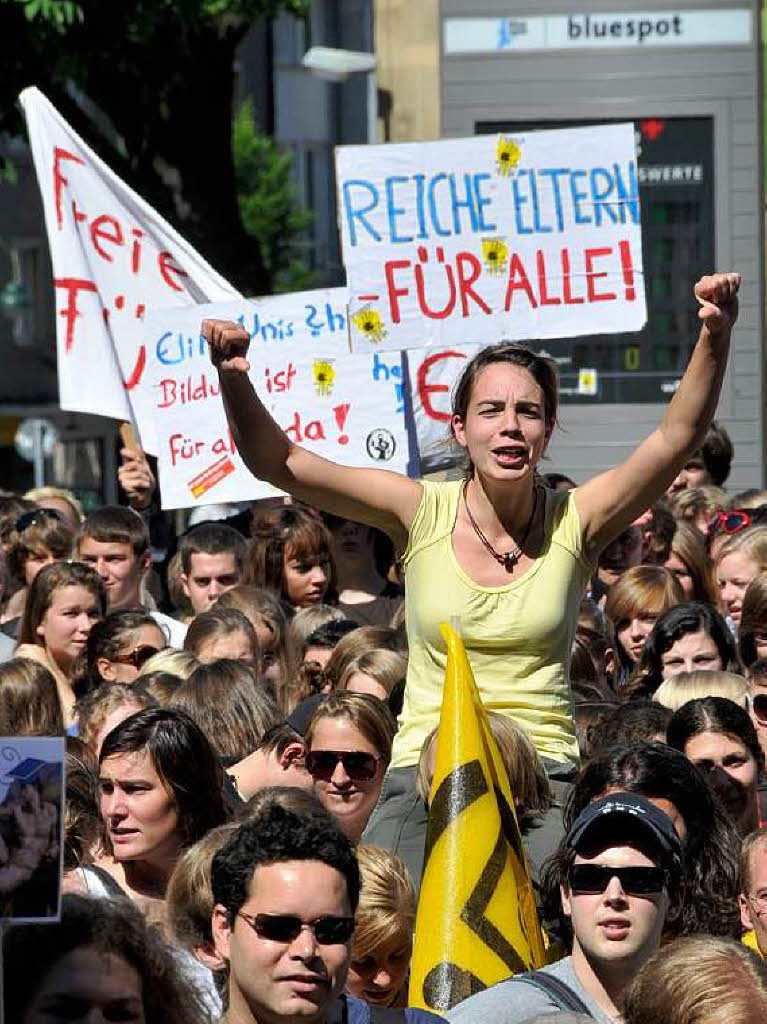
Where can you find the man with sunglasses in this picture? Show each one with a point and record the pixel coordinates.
(285, 889)
(619, 872)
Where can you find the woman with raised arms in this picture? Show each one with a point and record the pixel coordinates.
(505, 555)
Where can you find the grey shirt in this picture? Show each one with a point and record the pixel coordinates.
(512, 1002)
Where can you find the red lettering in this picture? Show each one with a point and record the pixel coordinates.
(389, 267)
(516, 268)
(167, 267)
(425, 390)
(136, 254)
(315, 431)
(591, 275)
(138, 370)
(73, 285)
(465, 283)
(183, 448)
(100, 232)
(546, 300)
(59, 180)
(168, 393)
(570, 300)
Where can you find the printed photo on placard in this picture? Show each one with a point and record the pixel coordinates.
(31, 827)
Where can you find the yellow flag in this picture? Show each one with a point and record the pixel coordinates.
(477, 922)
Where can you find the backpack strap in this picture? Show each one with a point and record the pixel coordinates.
(560, 993)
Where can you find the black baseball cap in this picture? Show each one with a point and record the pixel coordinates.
(631, 810)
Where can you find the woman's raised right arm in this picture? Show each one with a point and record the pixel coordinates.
(380, 498)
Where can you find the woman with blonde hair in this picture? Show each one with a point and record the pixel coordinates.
(59, 499)
(29, 700)
(634, 602)
(676, 691)
(698, 505)
(348, 748)
(689, 562)
(376, 672)
(64, 602)
(267, 616)
(699, 979)
(383, 929)
(178, 663)
(740, 559)
(231, 707)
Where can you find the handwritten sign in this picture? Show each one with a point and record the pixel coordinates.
(114, 260)
(470, 241)
(348, 408)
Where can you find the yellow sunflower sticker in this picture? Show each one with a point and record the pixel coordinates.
(369, 322)
(507, 156)
(495, 254)
(324, 377)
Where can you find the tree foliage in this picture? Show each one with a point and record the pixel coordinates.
(268, 204)
(162, 71)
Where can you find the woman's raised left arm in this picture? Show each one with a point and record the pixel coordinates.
(610, 502)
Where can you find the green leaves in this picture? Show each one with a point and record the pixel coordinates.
(58, 13)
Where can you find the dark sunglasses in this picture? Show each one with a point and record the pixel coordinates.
(358, 764)
(36, 515)
(328, 930)
(639, 881)
(137, 658)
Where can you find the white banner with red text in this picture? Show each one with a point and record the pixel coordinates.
(527, 235)
(115, 260)
(347, 408)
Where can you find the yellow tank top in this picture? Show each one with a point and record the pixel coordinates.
(518, 637)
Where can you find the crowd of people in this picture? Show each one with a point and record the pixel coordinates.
(252, 712)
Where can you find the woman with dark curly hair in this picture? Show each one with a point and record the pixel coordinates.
(710, 842)
(101, 961)
(688, 638)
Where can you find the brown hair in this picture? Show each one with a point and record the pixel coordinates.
(189, 897)
(368, 714)
(50, 579)
(695, 501)
(309, 679)
(29, 700)
(116, 524)
(218, 622)
(178, 663)
(753, 618)
(387, 668)
(542, 370)
(643, 589)
(689, 546)
(229, 705)
(287, 530)
(47, 531)
(699, 979)
(82, 821)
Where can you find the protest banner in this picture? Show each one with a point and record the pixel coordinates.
(470, 241)
(476, 922)
(114, 260)
(348, 408)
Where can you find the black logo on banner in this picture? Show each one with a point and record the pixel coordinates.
(446, 984)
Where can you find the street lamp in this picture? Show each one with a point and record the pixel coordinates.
(335, 65)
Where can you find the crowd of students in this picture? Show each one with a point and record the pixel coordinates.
(232, 704)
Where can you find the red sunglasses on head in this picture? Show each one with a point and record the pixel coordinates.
(734, 521)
